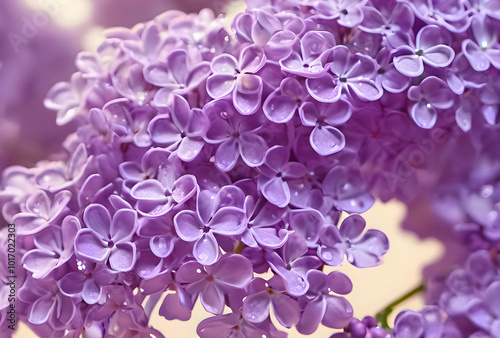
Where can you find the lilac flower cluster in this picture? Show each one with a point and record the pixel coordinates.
(204, 158)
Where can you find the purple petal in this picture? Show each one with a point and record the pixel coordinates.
(226, 155)
(338, 312)
(409, 65)
(324, 89)
(438, 56)
(189, 148)
(312, 316)
(256, 307)
(368, 251)
(339, 283)
(41, 310)
(88, 245)
(39, 262)
(122, 257)
(252, 149)
(91, 293)
(212, 299)
(206, 249)
(172, 309)
(123, 225)
(224, 64)
(286, 310)
(177, 62)
(157, 74)
(187, 226)
(220, 85)
(248, 94)
(184, 188)
(252, 58)
(366, 89)
(163, 131)
(235, 271)
(308, 223)
(277, 192)
(97, 218)
(71, 284)
(424, 115)
(327, 140)
(352, 227)
(149, 190)
(228, 221)
(279, 108)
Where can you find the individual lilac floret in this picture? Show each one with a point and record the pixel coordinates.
(236, 135)
(107, 239)
(323, 307)
(401, 19)
(431, 48)
(180, 75)
(432, 93)
(54, 248)
(87, 283)
(238, 77)
(484, 50)
(266, 295)
(41, 211)
(214, 282)
(348, 13)
(181, 130)
(134, 172)
(156, 197)
(312, 59)
(325, 138)
(293, 265)
(362, 250)
(350, 74)
(222, 214)
(263, 228)
(348, 190)
(281, 105)
(274, 174)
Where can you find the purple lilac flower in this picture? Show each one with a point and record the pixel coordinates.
(274, 174)
(351, 74)
(214, 282)
(430, 47)
(222, 214)
(238, 77)
(108, 239)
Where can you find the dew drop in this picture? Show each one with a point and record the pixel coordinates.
(224, 114)
(487, 191)
(327, 256)
(198, 270)
(203, 257)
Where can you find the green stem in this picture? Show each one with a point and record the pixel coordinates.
(239, 248)
(382, 316)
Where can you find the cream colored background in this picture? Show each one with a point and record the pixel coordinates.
(374, 288)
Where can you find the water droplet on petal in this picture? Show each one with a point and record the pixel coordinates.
(327, 256)
(203, 257)
(487, 191)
